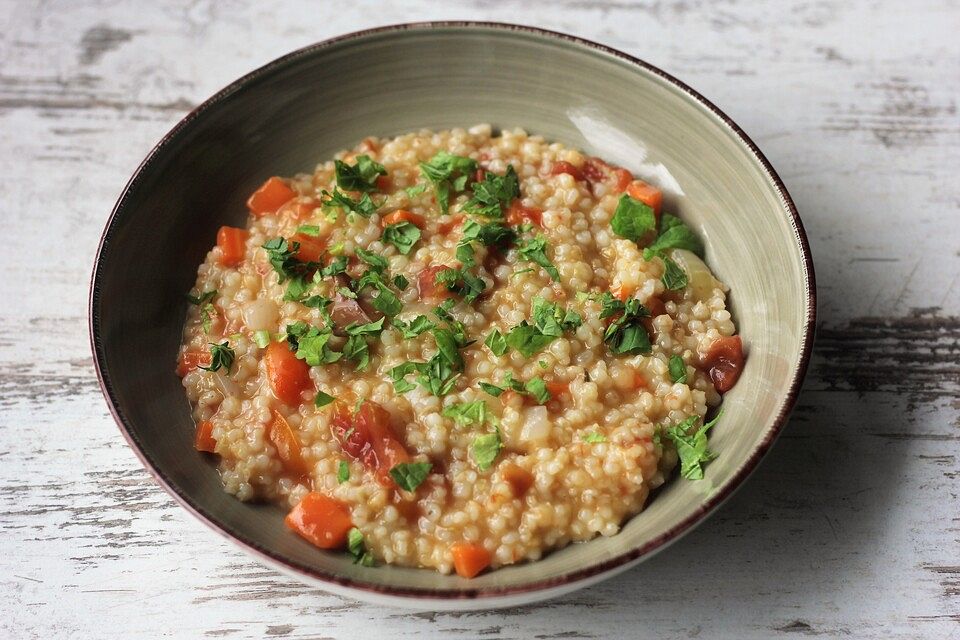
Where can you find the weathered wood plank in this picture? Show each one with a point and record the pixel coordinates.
(851, 526)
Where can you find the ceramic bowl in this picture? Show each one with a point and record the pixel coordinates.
(285, 117)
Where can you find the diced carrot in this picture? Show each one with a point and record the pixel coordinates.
(621, 179)
(203, 441)
(647, 194)
(271, 195)
(384, 183)
(311, 247)
(190, 360)
(445, 227)
(402, 215)
(232, 242)
(621, 292)
(565, 167)
(519, 479)
(518, 214)
(299, 208)
(469, 559)
(428, 286)
(288, 447)
(288, 375)
(368, 437)
(321, 520)
(724, 360)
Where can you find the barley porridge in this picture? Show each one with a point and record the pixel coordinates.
(456, 349)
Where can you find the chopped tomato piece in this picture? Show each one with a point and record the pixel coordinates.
(367, 436)
(724, 360)
(647, 194)
(384, 183)
(640, 381)
(321, 520)
(428, 286)
(190, 360)
(621, 179)
(518, 214)
(288, 375)
(271, 195)
(519, 479)
(288, 447)
(565, 167)
(557, 388)
(595, 169)
(232, 242)
(402, 215)
(469, 559)
(311, 247)
(203, 441)
(447, 226)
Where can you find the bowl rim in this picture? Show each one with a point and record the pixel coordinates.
(567, 581)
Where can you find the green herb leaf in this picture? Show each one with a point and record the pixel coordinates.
(374, 327)
(485, 450)
(402, 235)
(535, 250)
(410, 475)
(207, 313)
(537, 389)
(633, 219)
(364, 207)
(692, 449)
(674, 278)
(322, 399)
(496, 343)
(494, 193)
(377, 263)
(359, 177)
(311, 344)
(357, 351)
(678, 370)
(626, 334)
(469, 413)
(309, 229)
(204, 297)
(337, 266)
(343, 472)
(262, 338)
(400, 282)
(593, 437)
(674, 234)
(492, 389)
(414, 328)
(358, 549)
(317, 302)
(527, 339)
(387, 301)
(415, 190)
(448, 174)
(221, 357)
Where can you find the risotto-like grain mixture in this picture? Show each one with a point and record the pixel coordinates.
(456, 350)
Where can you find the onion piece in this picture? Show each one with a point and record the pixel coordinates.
(536, 425)
(701, 280)
(260, 314)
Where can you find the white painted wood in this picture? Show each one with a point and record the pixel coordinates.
(850, 528)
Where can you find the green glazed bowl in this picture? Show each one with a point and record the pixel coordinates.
(285, 117)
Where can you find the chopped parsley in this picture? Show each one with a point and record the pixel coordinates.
(309, 230)
(626, 334)
(221, 357)
(536, 388)
(364, 207)
(322, 399)
(358, 549)
(400, 282)
(438, 374)
(461, 282)
(549, 323)
(361, 176)
(449, 175)
(402, 235)
(493, 193)
(485, 449)
(593, 437)
(410, 475)
(261, 338)
(377, 263)
(535, 250)
(491, 234)
(207, 313)
(674, 234)
(413, 328)
(415, 190)
(469, 413)
(678, 370)
(674, 278)
(343, 471)
(203, 298)
(692, 449)
(633, 219)
(309, 343)
(496, 343)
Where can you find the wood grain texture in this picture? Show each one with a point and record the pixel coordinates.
(850, 528)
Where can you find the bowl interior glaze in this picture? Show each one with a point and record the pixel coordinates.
(299, 110)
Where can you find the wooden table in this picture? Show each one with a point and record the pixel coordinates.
(850, 527)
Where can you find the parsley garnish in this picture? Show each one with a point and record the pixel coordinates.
(633, 219)
(410, 475)
(413, 328)
(485, 450)
(448, 174)
(593, 437)
(359, 177)
(415, 190)
(261, 338)
(462, 282)
(495, 192)
(678, 370)
(626, 334)
(310, 344)
(674, 278)
(549, 322)
(692, 449)
(496, 343)
(535, 250)
(207, 313)
(469, 413)
(674, 234)
(400, 282)
(322, 399)
(309, 229)
(343, 471)
(364, 207)
(377, 263)
(402, 235)
(536, 388)
(489, 234)
(438, 374)
(221, 356)
(358, 549)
